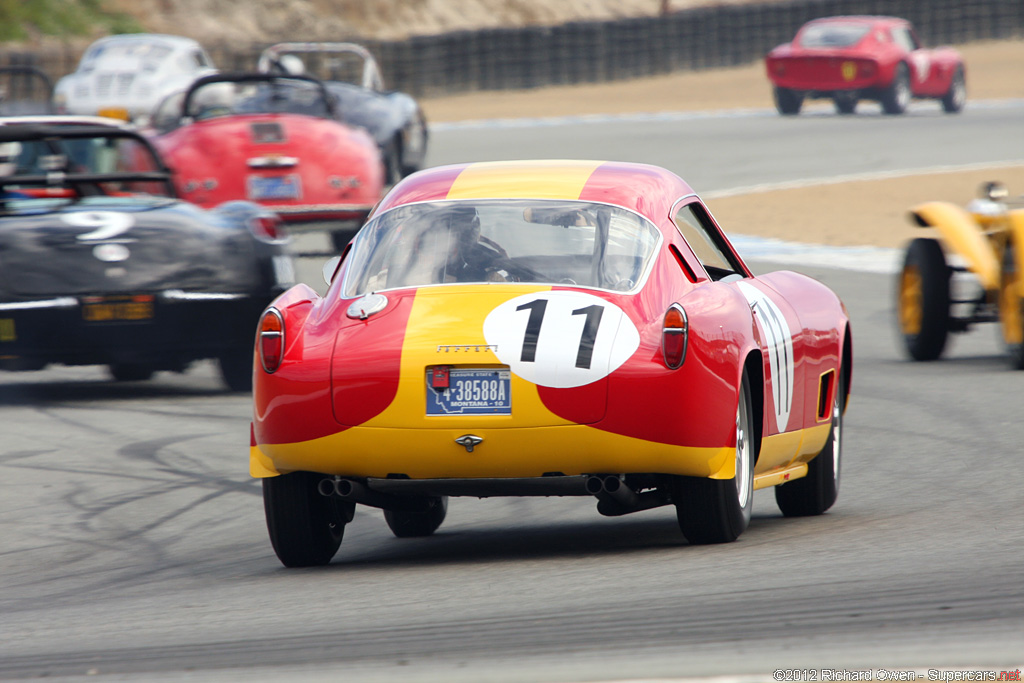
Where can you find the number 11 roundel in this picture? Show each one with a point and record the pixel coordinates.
(561, 339)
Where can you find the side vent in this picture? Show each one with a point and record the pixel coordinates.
(825, 385)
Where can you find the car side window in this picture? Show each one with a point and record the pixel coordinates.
(199, 60)
(903, 38)
(695, 225)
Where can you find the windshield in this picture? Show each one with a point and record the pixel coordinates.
(80, 164)
(114, 54)
(492, 241)
(833, 35)
(220, 98)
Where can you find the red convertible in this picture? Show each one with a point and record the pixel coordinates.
(848, 59)
(274, 140)
(545, 328)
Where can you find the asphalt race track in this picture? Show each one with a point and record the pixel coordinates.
(133, 545)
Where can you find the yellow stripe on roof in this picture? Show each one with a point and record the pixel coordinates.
(511, 179)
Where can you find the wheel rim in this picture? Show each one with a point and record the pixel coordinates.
(901, 90)
(837, 434)
(911, 294)
(742, 453)
(959, 93)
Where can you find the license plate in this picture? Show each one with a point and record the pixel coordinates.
(117, 308)
(470, 391)
(262, 187)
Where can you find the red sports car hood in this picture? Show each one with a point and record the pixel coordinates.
(560, 347)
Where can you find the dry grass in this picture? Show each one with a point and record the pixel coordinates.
(273, 20)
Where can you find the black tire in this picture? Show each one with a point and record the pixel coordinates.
(846, 102)
(416, 139)
(788, 102)
(131, 372)
(392, 154)
(1011, 309)
(404, 524)
(236, 366)
(340, 239)
(896, 98)
(718, 510)
(305, 527)
(955, 98)
(922, 303)
(817, 491)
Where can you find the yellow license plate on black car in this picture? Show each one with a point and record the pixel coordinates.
(127, 308)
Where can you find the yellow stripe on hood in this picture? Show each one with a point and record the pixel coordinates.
(511, 179)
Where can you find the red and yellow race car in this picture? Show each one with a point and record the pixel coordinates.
(545, 328)
(848, 59)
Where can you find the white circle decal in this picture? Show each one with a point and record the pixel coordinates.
(561, 339)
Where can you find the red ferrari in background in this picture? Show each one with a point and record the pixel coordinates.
(545, 328)
(848, 59)
(274, 140)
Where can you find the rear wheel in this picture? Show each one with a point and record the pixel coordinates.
(305, 527)
(392, 154)
(718, 510)
(1011, 308)
(816, 492)
(236, 368)
(846, 102)
(923, 299)
(896, 98)
(955, 98)
(406, 524)
(341, 238)
(788, 102)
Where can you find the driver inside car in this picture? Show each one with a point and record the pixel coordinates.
(471, 257)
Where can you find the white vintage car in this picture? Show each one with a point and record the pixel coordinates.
(125, 76)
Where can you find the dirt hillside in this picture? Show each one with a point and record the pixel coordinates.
(275, 20)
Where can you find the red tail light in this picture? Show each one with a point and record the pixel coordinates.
(674, 335)
(267, 227)
(271, 340)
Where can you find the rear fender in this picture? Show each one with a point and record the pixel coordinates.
(963, 235)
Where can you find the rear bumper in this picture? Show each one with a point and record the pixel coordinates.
(503, 453)
(322, 218)
(184, 326)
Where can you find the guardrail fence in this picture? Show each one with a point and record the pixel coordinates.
(592, 51)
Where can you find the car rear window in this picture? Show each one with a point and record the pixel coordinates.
(832, 35)
(493, 241)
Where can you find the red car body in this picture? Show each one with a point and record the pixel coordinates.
(629, 364)
(286, 152)
(864, 57)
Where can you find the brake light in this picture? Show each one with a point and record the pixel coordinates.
(271, 340)
(267, 227)
(674, 335)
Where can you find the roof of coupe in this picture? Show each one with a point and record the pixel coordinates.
(645, 189)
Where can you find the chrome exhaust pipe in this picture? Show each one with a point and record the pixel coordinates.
(615, 497)
(353, 491)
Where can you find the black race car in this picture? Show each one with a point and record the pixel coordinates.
(101, 264)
